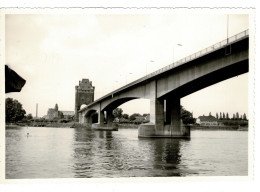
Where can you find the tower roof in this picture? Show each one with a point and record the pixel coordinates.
(85, 84)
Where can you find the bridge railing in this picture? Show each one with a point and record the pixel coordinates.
(198, 54)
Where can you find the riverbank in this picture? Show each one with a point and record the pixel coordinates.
(12, 126)
(128, 126)
(238, 128)
(231, 128)
(50, 125)
(121, 126)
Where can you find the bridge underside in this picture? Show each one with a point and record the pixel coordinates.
(210, 79)
(167, 121)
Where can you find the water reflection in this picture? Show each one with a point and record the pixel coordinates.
(99, 153)
(95, 150)
(167, 154)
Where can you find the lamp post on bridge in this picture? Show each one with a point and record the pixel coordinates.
(179, 45)
(115, 85)
(126, 77)
(151, 61)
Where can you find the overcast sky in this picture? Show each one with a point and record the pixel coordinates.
(54, 52)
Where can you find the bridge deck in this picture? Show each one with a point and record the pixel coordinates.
(178, 63)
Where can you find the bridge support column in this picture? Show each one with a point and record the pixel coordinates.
(105, 121)
(101, 118)
(158, 126)
(89, 119)
(80, 117)
(109, 118)
(175, 125)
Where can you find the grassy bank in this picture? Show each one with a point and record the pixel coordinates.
(12, 126)
(52, 124)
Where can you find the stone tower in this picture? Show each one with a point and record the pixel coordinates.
(84, 94)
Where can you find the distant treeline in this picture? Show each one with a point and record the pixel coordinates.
(234, 122)
(225, 116)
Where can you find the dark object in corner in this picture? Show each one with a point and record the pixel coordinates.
(13, 82)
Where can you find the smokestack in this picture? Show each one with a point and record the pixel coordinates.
(36, 110)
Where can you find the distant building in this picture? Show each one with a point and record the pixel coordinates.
(139, 119)
(55, 113)
(142, 119)
(207, 121)
(68, 114)
(147, 117)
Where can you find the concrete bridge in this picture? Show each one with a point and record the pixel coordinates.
(168, 85)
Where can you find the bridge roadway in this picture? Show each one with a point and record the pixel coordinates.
(165, 87)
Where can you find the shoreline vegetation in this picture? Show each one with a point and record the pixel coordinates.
(120, 126)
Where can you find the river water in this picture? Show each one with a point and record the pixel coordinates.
(81, 153)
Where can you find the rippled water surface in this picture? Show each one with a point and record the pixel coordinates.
(72, 153)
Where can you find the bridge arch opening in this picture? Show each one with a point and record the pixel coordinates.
(131, 107)
(141, 106)
(91, 117)
(228, 96)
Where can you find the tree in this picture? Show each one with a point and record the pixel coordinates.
(117, 113)
(209, 113)
(244, 117)
(29, 116)
(132, 117)
(217, 115)
(224, 117)
(13, 110)
(125, 116)
(227, 116)
(55, 119)
(237, 115)
(41, 119)
(186, 116)
(220, 116)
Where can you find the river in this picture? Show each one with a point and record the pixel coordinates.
(81, 153)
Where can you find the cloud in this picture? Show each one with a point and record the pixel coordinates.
(71, 34)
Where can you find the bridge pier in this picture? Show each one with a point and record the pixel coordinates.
(105, 121)
(165, 119)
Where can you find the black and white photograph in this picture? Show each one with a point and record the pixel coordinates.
(128, 93)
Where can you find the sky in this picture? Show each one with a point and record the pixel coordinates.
(53, 52)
